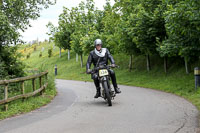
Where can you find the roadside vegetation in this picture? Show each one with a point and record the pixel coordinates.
(155, 42)
(15, 16)
(23, 106)
(175, 81)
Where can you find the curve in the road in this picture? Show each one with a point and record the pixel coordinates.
(64, 99)
(136, 110)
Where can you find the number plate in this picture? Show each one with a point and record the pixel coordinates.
(103, 72)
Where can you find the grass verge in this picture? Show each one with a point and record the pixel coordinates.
(19, 107)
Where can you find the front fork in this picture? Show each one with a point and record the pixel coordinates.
(112, 92)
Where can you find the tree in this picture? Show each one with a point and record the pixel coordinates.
(15, 16)
(79, 30)
(126, 43)
(161, 34)
(110, 23)
(146, 24)
(88, 40)
(75, 25)
(123, 28)
(52, 31)
(84, 18)
(144, 32)
(11, 67)
(182, 24)
(65, 30)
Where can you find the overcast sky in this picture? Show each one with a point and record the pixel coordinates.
(39, 29)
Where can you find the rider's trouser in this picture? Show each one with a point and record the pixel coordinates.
(112, 75)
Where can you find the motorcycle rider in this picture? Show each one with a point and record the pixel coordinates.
(99, 56)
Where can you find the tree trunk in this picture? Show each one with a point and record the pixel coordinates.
(68, 54)
(187, 66)
(81, 60)
(60, 53)
(76, 57)
(165, 64)
(131, 62)
(148, 63)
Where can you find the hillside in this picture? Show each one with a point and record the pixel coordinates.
(176, 81)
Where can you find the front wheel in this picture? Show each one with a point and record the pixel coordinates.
(107, 93)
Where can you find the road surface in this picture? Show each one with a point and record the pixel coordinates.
(135, 110)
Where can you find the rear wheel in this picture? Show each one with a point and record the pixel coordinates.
(107, 93)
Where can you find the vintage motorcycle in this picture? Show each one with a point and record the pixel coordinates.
(107, 93)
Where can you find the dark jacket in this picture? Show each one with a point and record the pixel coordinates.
(93, 58)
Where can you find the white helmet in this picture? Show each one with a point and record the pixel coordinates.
(97, 41)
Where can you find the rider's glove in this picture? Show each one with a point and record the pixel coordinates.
(113, 65)
(89, 71)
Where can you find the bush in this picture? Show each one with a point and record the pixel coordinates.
(28, 55)
(40, 55)
(35, 48)
(3, 72)
(50, 52)
(10, 66)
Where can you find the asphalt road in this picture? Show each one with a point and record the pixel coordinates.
(135, 110)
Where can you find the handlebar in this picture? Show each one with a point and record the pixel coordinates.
(102, 67)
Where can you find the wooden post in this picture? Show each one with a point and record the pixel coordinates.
(23, 91)
(23, 95)
(6, 96)
(187, 66)
(130, 62)
(46, 77)
(148, 63)
(33, 84)
(40, 82)
(165, 64)
(81, 61)
(68, 54)
(76, 57)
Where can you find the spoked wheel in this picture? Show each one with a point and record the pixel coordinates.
(107, 93)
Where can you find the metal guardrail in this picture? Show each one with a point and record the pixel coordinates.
(23, 95)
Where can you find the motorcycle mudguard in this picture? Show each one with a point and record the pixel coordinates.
(104, 78)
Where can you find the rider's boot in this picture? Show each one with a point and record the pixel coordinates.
(98, 93)
(114, 81)
(117, 90)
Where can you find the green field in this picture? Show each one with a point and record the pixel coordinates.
(175, 81)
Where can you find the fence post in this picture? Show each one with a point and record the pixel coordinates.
(6, 96)
(46, 77)
(40, 82)
(23, 91)
(33, 83)
(43, 80)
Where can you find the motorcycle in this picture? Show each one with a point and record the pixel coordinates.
(107, 93)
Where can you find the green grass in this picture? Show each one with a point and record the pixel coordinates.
(32, 103)
(176, 81)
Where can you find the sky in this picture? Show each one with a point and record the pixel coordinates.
(39, 29)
